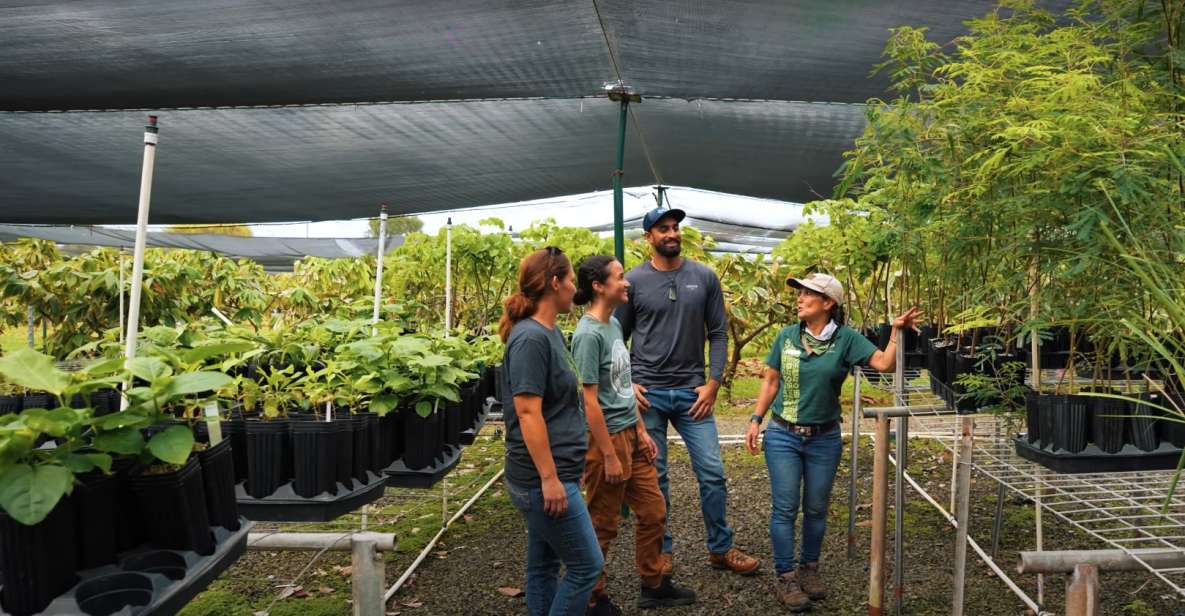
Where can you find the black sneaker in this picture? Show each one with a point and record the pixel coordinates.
(603, 607)
(666, 595)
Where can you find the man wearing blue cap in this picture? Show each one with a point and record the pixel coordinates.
(675, 306)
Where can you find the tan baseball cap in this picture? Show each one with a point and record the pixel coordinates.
(820, 283)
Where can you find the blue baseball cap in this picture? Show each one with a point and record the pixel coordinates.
(658, 213)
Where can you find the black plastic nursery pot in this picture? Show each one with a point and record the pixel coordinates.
(500, 384)
(488, 386)
(105, 402)
(394, 431)
(1107, 423)
(1033, 418)
(314, 450)
(884, 331)
(361, 424)
(218, 479)
(1046, 419)
(390, 441)
(37, 563)
(98, 508)
(420, 438)
(11, 404)
(1070, 421)
(343, 466)
(173, 508)
(454, 423)
(375, 432)
(1141, 423)
(235, 431)
(129, 531)
(1171, 425)
(267, 445)
(39, 400)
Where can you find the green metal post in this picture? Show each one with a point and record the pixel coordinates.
(618, 205)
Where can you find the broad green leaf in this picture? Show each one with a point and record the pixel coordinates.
(195, 382)
(173, 445)
(123, 419)
(127, 441)
(29, 493)
(77, 463)
(100, 460)
(383, 404)
(103, 368)
(36, 371)
(205, 352)
(54, 423)
(148, 368)
(423, 408)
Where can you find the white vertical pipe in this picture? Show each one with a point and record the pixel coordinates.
(32, 327)
(133, 324)
(448, 278)
(378, 270)
(122, 285)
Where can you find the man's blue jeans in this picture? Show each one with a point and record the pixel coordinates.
(568, 539)
(801, 471)
(673, 406)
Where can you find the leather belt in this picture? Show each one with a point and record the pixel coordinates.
(807, 430)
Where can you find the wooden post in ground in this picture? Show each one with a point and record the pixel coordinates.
(880, 492)
(1082, 592)
(962, 510)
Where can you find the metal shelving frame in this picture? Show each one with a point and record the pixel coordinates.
(1121, 510)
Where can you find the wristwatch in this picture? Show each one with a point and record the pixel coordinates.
(757, 418)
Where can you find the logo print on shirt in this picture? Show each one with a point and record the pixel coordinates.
(619, 372)
(791, 356)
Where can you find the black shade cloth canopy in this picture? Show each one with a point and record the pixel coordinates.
(130, 54)
(271, 252)
(323, 163)
(483, 101)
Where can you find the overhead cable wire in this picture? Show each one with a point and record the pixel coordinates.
(621, 80)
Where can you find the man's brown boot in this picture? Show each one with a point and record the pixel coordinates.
(736, 561)
(811, 582)
(790, 594)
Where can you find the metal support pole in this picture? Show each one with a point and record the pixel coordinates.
(133, 324)
(899, 515)
(857, 413)
(1082, 592)
(998, 521)
(448, 277)
(1064, 561)
(1040, 535)
(378, 269)
(963, 510)
(880, 479)
(368, 576)
(32, 327)
(618, 172)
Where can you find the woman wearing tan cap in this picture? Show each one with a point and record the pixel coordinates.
(806, 369)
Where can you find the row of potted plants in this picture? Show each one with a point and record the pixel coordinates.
(79, 489)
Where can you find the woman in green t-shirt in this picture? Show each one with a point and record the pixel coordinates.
(806, 369)
(619, 467)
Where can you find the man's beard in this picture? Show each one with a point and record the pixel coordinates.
(668, 250)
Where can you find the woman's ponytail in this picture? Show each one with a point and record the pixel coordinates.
(516, 308)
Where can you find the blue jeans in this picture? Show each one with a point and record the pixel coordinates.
(568, 539)
(801, 470)
(703, 444)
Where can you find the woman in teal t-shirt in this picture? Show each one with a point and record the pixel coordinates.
(806, 369)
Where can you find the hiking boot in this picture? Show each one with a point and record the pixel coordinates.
(668, 564)
(790, 594)
(811, 582)
(603, 607)
(666, 595)
(736, 561)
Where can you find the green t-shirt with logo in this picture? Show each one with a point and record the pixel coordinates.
(811, 382)
(602, 359)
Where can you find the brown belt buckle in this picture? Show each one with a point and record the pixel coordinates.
(803, 430)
